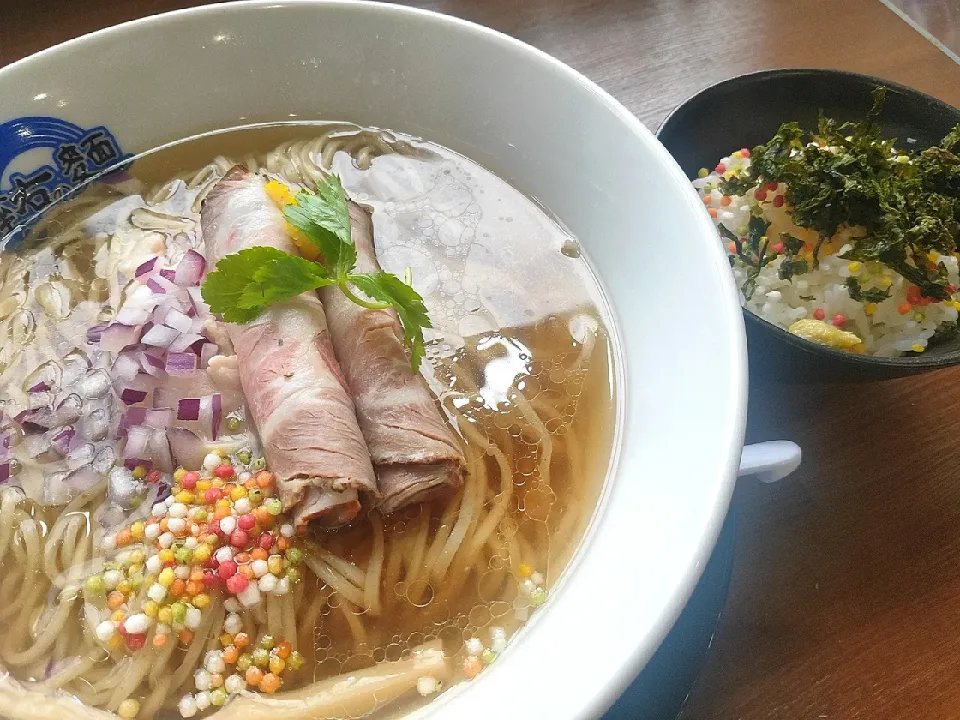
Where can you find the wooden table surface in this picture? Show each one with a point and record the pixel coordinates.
(940, 18)
(845, 599)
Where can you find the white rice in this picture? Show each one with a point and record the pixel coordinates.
(884, 332)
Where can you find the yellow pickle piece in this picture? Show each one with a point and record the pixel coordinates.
(823, 333)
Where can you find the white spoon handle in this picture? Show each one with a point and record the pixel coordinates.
(769, 461)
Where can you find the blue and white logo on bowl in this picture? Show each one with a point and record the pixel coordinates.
(44, 159)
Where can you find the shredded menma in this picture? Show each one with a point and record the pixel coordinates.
(844, 237)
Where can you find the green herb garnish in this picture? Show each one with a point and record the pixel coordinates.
(848, 175)
(245, 283)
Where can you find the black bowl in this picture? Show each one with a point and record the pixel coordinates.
(746, 111)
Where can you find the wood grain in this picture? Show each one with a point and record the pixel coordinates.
(845, 601)
(940, 18)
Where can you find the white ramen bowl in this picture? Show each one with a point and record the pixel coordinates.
(681, 359)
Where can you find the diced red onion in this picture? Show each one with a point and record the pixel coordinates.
(62, 439)
(164, 397)
(138, 441)
(38, 447)
(151, 364)
(40, 400)
(168, 274)
(185, 341)
(156, 287)
(46, 376)
(95, 424)
(207, 351)
(160, 336)
(133, 416)
(142, 298)
(8, 439)
(159, 315)
(147, 446)
(94, 332)
(181, 363)
(117, 336)
(196, 296)
(140, 381)
(183, 241)
(104, 458)
(4, 472)
(132, 397)
(162, 281)
(188, 409)
(190, 269)
(145, 267)
(69, 410)
(34, 421)
(160, 451)
(163, 490)
(130, 315)
(176, 301)
(211, 413)
(188, 449)
(159, 418)
(125, 367)
(81, 455)
(178, 321)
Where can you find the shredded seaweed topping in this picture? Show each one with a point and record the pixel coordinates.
(869, 295)
(753, 251)
(848, 175)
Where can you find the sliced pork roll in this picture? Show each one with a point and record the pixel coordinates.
(295, 391)
(413, 450)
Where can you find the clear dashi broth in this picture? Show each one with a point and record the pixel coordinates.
(520, 360)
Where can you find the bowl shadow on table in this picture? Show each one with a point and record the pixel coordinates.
(841, 565)
(746, 111)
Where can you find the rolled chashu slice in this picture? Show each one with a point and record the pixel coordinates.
(414, 452)
(295, 392)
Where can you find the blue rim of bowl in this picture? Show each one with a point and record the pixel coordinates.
(911, 361)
